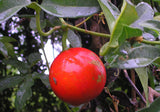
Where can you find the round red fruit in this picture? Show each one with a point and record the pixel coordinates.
(77, 75)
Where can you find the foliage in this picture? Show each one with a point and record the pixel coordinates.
(134, 43)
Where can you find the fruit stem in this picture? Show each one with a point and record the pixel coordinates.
(83, 30)
(64, 39)
(42, 45)
(39, 26)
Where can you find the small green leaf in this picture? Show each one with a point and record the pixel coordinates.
(151, 24)
(43, 22)
(138, 57)
(127, 16)
(24, 93)
(9, 7)
(33, 58)
(3, 49)
(145, 12)
(21, 66)
(44, 78)
(157, 62)
(150, 34)
(74, 39)
(154, 107)
(9, 82)
(6, 39)
(110, 11)
(6, 47)
(10, 49)
(143, 76)
(129, 32)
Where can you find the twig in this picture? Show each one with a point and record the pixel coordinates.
(83, 30)
(134, 99)
(151, 42)
(83, 21)
(142, 40)
(45, 56)
(39, 25)
(133, 90)
(133, 85)
(115, 101)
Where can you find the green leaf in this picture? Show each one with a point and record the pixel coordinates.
(9, 82)
(6, 47)
(151, 24)
(143, 76)
(33, 25)
(150, 34)
(68, 8)
(44, 78)
(124, 46)
(127, 16)
(157, 62)
(110, 11)
(129, 32)
(145, 12)
(43, 22)
(3, 49)
(21, 66)
(9, 7)
(74, 39)
(138, 57)
(24, 93)
(10, 49)
(154, 107)
(6, 39)
(33, 58)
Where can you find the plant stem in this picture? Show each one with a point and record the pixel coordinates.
(133, 90)
(83, 30)
(84, 21)
(151, 42)
(142, 40)
(114, 100)
(64, 38)
(42, 44)
(39, 26)
(133, 94)
(133, 85)
(65, 25)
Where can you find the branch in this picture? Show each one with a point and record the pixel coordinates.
(114, 99)
(39, 26)
(142, 40)
(133, 85)
(151, 42)
(45, 56)
(84, 21)
(83, 30)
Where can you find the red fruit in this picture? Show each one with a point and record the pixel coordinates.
(77, 76)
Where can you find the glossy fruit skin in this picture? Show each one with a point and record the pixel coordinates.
(77, 75)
